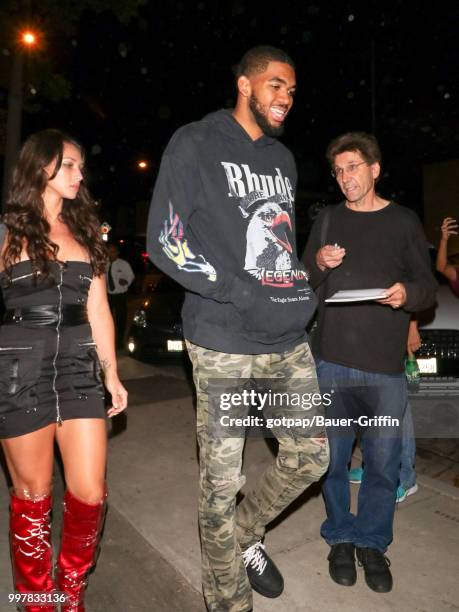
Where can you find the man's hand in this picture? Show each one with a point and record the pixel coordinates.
(330, 256)
(395, 296)
(414, 338)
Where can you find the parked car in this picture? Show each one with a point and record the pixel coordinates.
(156, 332)
(435, 400)
(439, 329)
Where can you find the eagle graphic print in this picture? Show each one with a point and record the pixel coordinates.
(267, 203)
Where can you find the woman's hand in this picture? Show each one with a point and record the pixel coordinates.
(119, 395)
(448, 227)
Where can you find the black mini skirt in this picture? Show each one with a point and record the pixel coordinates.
(47, 375)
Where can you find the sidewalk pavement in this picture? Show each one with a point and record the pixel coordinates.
(153, 480)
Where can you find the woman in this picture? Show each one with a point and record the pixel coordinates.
(448, 228)
(56, 336)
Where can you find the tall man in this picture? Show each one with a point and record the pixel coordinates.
(365, 242)
(222, 224)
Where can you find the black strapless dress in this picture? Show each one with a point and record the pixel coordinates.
(48, 373)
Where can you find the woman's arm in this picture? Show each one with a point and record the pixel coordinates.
(103, 332)
(448, 228)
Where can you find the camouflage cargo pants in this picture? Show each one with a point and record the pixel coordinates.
(301, 460)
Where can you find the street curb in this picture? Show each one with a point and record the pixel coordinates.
(438, 486)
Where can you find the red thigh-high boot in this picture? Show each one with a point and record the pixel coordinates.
(31, 551)
(81, 527)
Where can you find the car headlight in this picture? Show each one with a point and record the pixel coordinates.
(140, 318)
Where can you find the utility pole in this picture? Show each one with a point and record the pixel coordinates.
(28, 40)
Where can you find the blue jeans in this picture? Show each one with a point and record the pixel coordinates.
(357, 394)
(407, 472)
(407, 478)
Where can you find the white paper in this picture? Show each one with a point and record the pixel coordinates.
(357, 295)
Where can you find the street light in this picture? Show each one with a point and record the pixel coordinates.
(142, 165)
(27, 39)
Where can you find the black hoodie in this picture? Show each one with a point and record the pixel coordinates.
(222, 224)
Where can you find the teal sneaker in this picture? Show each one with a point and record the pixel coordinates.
(403, 493)
(355, 475)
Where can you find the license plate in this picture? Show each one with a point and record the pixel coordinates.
(428, 365)
(175, 345)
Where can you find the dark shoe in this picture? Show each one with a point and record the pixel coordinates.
(376, 567)
(264, 577)
(342, 563)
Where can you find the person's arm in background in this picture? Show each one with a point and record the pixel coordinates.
(448, 227)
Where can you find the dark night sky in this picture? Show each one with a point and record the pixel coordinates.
(132, 86)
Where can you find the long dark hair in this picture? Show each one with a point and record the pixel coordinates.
(24, 215)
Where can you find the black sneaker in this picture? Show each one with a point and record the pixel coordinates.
(342, 563)
(264, 577)
(376, 567)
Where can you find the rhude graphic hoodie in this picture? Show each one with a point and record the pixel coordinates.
(222, 224)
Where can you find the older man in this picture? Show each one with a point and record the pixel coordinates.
(365, 243)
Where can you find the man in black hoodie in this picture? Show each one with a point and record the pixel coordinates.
(222, 223)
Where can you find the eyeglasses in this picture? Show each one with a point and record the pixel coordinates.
(350, 169)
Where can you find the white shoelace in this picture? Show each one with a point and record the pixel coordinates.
(254, 557)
